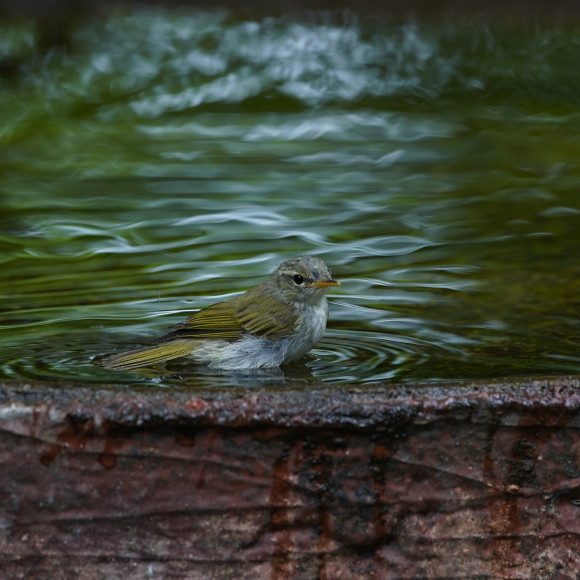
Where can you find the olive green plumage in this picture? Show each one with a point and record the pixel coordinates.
(268, 325)
(257, 311)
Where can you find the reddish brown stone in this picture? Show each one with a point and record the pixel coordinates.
(473, 481)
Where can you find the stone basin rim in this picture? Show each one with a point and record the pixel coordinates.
(541, 401)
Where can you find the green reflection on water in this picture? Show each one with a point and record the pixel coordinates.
(170, 160)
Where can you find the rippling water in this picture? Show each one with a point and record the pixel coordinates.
(169, 160)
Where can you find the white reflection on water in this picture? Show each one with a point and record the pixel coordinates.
(312, 63)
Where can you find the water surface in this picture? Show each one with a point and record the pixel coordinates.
(168, 160)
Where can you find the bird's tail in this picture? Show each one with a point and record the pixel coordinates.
(141, 357)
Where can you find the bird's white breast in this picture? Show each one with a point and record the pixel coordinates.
(313, 323)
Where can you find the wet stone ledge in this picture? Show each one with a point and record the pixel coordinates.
(455, 481)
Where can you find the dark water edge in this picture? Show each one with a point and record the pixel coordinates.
(517, 9)
(56, 19)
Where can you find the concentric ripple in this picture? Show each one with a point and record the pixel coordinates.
(346, 356)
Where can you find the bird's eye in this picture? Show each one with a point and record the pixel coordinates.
(298, 279)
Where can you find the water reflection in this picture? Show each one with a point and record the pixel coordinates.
(171, 160)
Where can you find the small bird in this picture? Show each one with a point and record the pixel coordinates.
(270, 325)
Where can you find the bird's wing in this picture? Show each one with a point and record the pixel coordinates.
(266, 318)
(217, 321)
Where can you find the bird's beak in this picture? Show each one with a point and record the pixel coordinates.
(325, 283)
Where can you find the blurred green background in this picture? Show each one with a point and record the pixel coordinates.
(156, 160)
